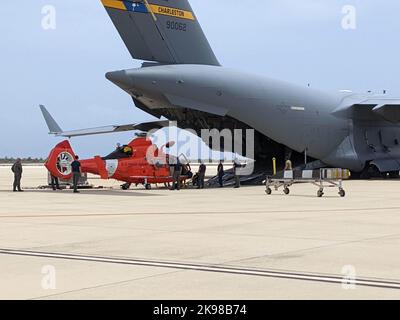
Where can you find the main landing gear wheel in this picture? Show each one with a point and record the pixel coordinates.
(394, 174)
(286, 191)
(320, 193)
(147, 186)
(268, 191)
(125, 186)
(342, 193)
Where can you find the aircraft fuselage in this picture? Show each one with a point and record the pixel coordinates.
(300, 118)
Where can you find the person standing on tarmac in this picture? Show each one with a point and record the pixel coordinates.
(176, 183)
(221, 174)
(202, 175)
(17, 169)
(54, 183)
(288, 165)
(236, 167)
(76, 173)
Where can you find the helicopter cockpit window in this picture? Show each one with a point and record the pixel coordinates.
(120, 153)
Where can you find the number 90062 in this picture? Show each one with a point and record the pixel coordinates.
(177, 26)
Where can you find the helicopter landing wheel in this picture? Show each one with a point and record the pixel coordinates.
(125, 186)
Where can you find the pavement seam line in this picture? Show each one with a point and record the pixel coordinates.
(105, 285)
(211, 268)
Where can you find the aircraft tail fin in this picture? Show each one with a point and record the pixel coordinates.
(59, 160)
(53, 126)
(167, 32)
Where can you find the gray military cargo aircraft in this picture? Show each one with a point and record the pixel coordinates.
(183, 81)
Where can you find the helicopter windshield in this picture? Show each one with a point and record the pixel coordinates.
(120, 153)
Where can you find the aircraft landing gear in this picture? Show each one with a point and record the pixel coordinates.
(370, 172)
(125, 186)
(147, 186)
(394, 174)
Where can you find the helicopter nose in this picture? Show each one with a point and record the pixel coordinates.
(120, 78)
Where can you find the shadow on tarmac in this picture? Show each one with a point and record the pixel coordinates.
(89, 192)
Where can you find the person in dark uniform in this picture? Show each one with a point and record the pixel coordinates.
(17, 169)
(202, 175)
(176, 184)
(54, 183)
(236, 167)
(221, 174)
(76, 173)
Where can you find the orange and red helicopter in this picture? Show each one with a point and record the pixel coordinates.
(139, 162)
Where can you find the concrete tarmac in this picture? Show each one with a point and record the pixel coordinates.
(198, 244)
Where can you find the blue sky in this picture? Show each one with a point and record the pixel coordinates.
(300, 41)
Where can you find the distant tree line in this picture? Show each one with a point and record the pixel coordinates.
(26, 160)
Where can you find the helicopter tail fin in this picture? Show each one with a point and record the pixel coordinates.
(59, 160)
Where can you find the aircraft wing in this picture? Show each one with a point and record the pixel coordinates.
(388, 109)
(56, 130)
